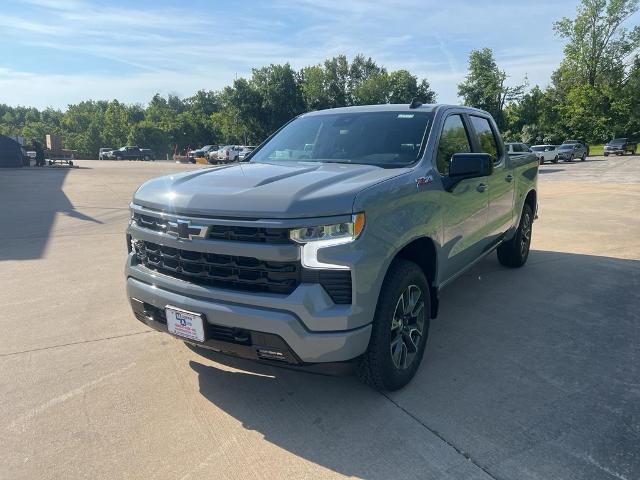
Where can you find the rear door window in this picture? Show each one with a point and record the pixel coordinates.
(486, 137)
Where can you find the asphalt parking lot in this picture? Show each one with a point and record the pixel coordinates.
(529, 374)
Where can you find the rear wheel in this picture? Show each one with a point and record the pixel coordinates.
(515, 252)
(555, 160)
(399, 330)
(584, 157)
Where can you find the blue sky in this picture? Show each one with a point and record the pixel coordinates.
(56, 52)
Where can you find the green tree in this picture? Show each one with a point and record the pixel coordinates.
(403, 87)
(149, 135)
(336, 80)
(485, 85)
(312, 84)
(279, 88)
(598, 45)
(116, 124)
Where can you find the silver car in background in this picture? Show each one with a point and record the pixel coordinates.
(572, 151)
(546, 153)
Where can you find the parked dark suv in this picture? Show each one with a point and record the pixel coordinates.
(620, 146)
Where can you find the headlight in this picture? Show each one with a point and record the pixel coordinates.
(345, 230)
(313, 239)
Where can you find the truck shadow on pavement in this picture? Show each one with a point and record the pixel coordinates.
(31, 199)
(532, 370)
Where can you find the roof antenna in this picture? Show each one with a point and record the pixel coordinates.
(415, 103)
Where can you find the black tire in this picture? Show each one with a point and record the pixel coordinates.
(570, 158)
(514, 253)
(555, 160)
(584, 157)
(606, 154)
(379, 367)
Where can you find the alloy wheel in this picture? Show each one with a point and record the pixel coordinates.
(525, 238)
(407, 327)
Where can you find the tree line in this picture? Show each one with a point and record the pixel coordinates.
(593, 95)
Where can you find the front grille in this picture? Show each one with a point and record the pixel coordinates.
(222, 232)
(249, 234)
(150, 223)
(225, 271)
(241, 273)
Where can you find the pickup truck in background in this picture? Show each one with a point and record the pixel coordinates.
(147, 154)
(332, 243)
(131, 152)
(620, 146)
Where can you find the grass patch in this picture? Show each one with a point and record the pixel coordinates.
(596, 150)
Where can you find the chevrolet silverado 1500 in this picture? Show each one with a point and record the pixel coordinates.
(331, 242)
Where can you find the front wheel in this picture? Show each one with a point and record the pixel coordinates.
(400, 328)
(584, 157)
(555, 160)
(515, 252)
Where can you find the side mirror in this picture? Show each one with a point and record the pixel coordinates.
(468, 165)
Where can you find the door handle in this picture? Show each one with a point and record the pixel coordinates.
(482, 187)
(509, 178)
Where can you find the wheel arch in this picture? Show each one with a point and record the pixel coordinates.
(532, 200)
(423, 252)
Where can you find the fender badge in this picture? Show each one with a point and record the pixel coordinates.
(422, 181)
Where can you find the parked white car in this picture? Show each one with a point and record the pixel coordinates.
(546, 153)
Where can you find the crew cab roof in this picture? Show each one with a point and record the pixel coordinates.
(392, 107)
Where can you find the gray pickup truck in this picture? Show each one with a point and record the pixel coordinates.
(331, 242)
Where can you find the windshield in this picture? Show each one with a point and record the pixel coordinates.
(538, 149)
(617, 141)
(386, 139)
(567, 146)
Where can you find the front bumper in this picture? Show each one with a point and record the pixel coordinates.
(269, 330)
(316, 325)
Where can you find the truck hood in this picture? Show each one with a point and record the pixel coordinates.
(263, 190)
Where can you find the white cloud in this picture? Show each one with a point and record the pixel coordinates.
(58, 91)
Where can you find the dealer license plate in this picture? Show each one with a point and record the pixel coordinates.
(185, 324)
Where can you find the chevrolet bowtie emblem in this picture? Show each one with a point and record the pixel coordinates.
(185, 230)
